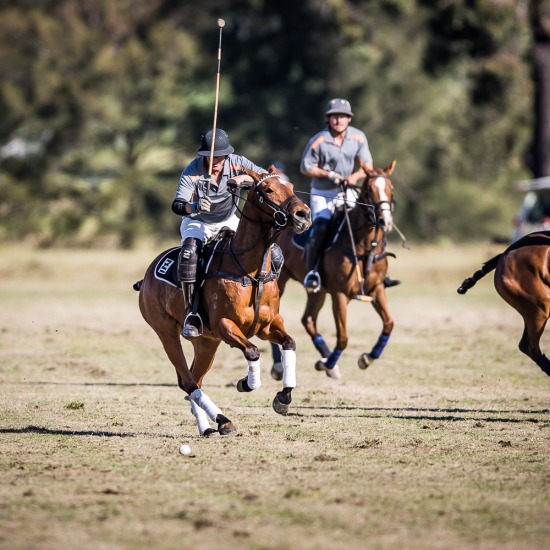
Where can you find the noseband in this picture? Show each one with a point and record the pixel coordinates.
(280, 211)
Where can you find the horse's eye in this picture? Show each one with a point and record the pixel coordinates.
(268, 191)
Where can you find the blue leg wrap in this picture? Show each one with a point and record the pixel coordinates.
(320, 345)
(276, 352)
(377, 350)
(333, 358)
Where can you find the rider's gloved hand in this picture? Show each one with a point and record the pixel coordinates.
(335, 177)
(202, 205)
(232, 184)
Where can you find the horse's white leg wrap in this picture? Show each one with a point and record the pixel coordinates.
(205, 403)
(288, 358)
(253, 379)
(200, 416)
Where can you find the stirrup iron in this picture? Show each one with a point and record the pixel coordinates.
(192, 326)
(312, 282)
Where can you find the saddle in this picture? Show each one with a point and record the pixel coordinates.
(166, 269)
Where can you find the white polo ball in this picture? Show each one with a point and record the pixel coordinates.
(185, 450)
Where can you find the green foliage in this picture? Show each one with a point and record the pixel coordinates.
(103, 103)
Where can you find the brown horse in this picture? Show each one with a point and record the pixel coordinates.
(239, 300)
(522, 278)
(349, 269)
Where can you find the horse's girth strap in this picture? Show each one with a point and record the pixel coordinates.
(261, 279)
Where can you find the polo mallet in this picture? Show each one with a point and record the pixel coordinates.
(361, 297)
(221, 25)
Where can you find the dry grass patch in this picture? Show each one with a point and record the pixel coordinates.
(442, 443)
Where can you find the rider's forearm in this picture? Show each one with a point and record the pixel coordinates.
(181, 207)
(316, 172)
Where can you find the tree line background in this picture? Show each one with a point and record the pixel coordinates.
(103, 102)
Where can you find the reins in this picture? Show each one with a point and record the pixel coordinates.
(279, 221)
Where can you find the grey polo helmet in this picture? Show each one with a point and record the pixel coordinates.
(222, 146)
(339, 106)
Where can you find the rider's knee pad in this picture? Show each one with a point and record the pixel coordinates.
(277, 259)
(187, 261)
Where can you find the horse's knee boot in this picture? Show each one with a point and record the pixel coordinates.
(205, 403)
(277, 259)
(289, 368)
(253, 378)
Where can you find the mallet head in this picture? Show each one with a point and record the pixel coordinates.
(221, 23)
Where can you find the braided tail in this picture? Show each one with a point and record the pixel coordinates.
(487, 267)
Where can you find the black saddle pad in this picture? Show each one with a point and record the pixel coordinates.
(166, 269)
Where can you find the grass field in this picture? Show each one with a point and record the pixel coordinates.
(442, 443)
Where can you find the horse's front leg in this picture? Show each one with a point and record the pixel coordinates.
(231, 334)
(339, 310)
(380, 304)
(277, 334)
(309, 321)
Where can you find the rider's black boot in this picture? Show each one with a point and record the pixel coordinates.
(314, 248)
(187, 275)
(389, 282)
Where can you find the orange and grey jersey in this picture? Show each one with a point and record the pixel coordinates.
(323, 152)
(224, 202)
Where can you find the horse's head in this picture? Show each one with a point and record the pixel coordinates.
(273, 197)
(377, 190)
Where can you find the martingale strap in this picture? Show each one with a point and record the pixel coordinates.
(247, 280)
(259, 292)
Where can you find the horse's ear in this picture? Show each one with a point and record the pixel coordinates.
(390, 167)
(254, 175)
(273, 169)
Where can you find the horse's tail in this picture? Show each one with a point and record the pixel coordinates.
(137, 285)
(487, 267)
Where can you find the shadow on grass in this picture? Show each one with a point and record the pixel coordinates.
(445, 414)
(86, 433)
(127, 384)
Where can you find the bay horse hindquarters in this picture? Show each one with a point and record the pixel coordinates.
(239, 298)
(522, 279)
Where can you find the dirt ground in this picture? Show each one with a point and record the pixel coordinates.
(442, 443)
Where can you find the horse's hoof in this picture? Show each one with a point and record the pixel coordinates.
(281, 403)
(208, 432)
(225, 426)
(277, 371)
(242, 385)
(280, 408)
(334, 372)
(227, 429)
(364, 361)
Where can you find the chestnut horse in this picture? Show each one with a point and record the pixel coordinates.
(348, 270)
(239, 299)
(522, 278)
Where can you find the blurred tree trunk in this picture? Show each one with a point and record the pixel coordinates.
(540, 18)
